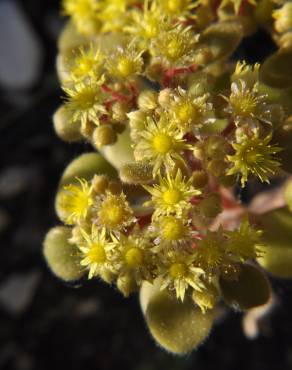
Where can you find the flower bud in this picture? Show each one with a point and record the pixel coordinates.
(115, 187)
(104, 135)
(147, 100)
(120, 110)
(200, 179)
(164, 98)
(217, 167)
(100, 183)
(211, 206)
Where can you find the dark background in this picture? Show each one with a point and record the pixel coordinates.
(43, 323)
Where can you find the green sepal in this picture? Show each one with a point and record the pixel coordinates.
(276, 71)
(177, 327)
(251, 289)
(121, 152)
(61, 256)
(277, 237)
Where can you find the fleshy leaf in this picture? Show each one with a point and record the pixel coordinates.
(85, 166)
(177, 327)
(251, 289)
(121, 152)
(222, 38)
(61, 256)
(276, 71)
(277, 256)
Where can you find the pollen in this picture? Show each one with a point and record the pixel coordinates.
(178, 270)
(172, 229)
(134, 257)
(126, 67)
(97, 254)
(172, 196)
(125, 62)
(162, 143)
(114, 212)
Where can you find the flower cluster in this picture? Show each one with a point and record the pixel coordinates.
(150, 85)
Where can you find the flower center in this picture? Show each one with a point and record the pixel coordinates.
(111, 216)
(174, 49)
(97, 254)
(178, 270)
(134, 257)
(187, 112)
(126, 67)
(250, 156)
(171, 196)
(162, 143)
(172, 229)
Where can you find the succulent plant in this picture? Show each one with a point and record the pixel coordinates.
(177, 125)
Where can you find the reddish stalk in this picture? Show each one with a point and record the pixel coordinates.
(172, 72)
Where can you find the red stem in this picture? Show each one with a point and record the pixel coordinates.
(172, 72)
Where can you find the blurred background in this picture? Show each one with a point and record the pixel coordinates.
(45, 324)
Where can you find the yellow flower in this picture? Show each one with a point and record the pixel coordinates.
(170, 233)
(132, 255)
(114, 212)
(171, 196)
(75, 201)
(87, 64)
(175, 46)
(96, 253)
(125, 63)
(179, 8)
(244, 242)
(114, 14)
(245, 103)
(160, 143)
(177, 272)
(254, 156)
(84, 14)
(246, 72)
(210, 251)
(189, 111)
(85, 101)
(148, 23)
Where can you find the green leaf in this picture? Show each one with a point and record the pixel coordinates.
(251, 289)
(276, 71)
(277, 236)
(86, 166)
(222, 38)
(61, 256)
(177, 327)
(64, 127)
(121, 152)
